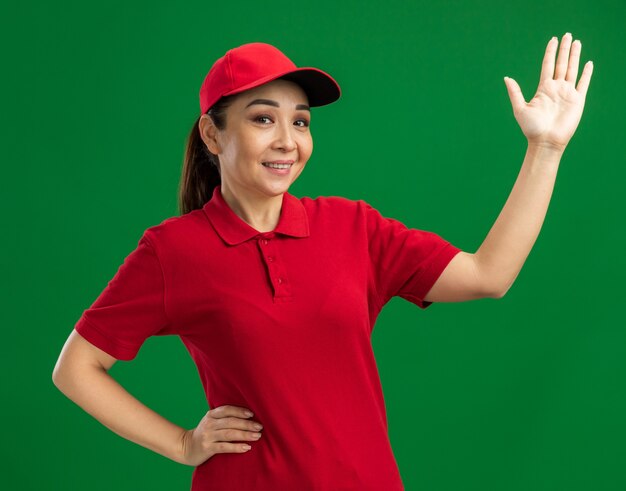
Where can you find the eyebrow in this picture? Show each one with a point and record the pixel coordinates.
(270, 102)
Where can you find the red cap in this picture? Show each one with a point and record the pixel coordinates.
(253, 64)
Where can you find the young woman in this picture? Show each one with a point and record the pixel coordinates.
(275, 297)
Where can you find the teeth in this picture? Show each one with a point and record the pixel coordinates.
(276, 166)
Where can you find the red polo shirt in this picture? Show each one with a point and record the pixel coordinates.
(279, 322)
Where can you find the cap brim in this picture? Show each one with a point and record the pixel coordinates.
(320, 87)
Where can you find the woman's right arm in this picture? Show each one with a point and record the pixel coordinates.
(81, 373)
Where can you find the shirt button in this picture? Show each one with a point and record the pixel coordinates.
(270, 258)
(280, 280)
(264, 241)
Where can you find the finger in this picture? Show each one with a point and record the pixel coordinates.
(228, 410)
(585, 78)
(515, 94)
(574, 57)
(231, 435)
(238, 423)
(563, 59)
(225, 447)
(547, 66)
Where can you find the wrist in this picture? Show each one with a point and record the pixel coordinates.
(544, 154)
(181, 450)
(546, 149)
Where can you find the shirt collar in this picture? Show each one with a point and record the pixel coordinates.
(233, 230)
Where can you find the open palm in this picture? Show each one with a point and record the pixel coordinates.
(553, 114)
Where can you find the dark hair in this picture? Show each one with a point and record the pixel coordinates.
(201, 168)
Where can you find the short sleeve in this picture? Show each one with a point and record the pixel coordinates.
(131, 307)
(405, 262)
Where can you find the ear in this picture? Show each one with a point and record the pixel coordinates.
(208, 133)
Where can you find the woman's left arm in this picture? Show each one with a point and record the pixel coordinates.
(548, 121)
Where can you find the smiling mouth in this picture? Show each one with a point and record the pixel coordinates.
(276, 166)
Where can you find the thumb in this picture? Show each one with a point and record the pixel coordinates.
(515, 94)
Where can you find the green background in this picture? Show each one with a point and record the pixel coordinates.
(522, 393)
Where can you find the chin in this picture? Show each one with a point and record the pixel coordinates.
(276, 189)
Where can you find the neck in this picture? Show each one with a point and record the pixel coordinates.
(259, 211)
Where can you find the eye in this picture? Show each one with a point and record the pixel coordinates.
(257, 118)
(304, 122)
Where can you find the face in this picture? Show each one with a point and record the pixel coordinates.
(275, 129)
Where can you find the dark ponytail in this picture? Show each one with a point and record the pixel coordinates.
(201, 168)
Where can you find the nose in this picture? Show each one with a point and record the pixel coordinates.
(284, 138)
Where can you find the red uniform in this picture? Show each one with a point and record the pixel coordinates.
(278, 322)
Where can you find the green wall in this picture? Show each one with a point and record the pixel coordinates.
(521, 393)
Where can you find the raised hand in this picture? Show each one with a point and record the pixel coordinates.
(552, 116)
